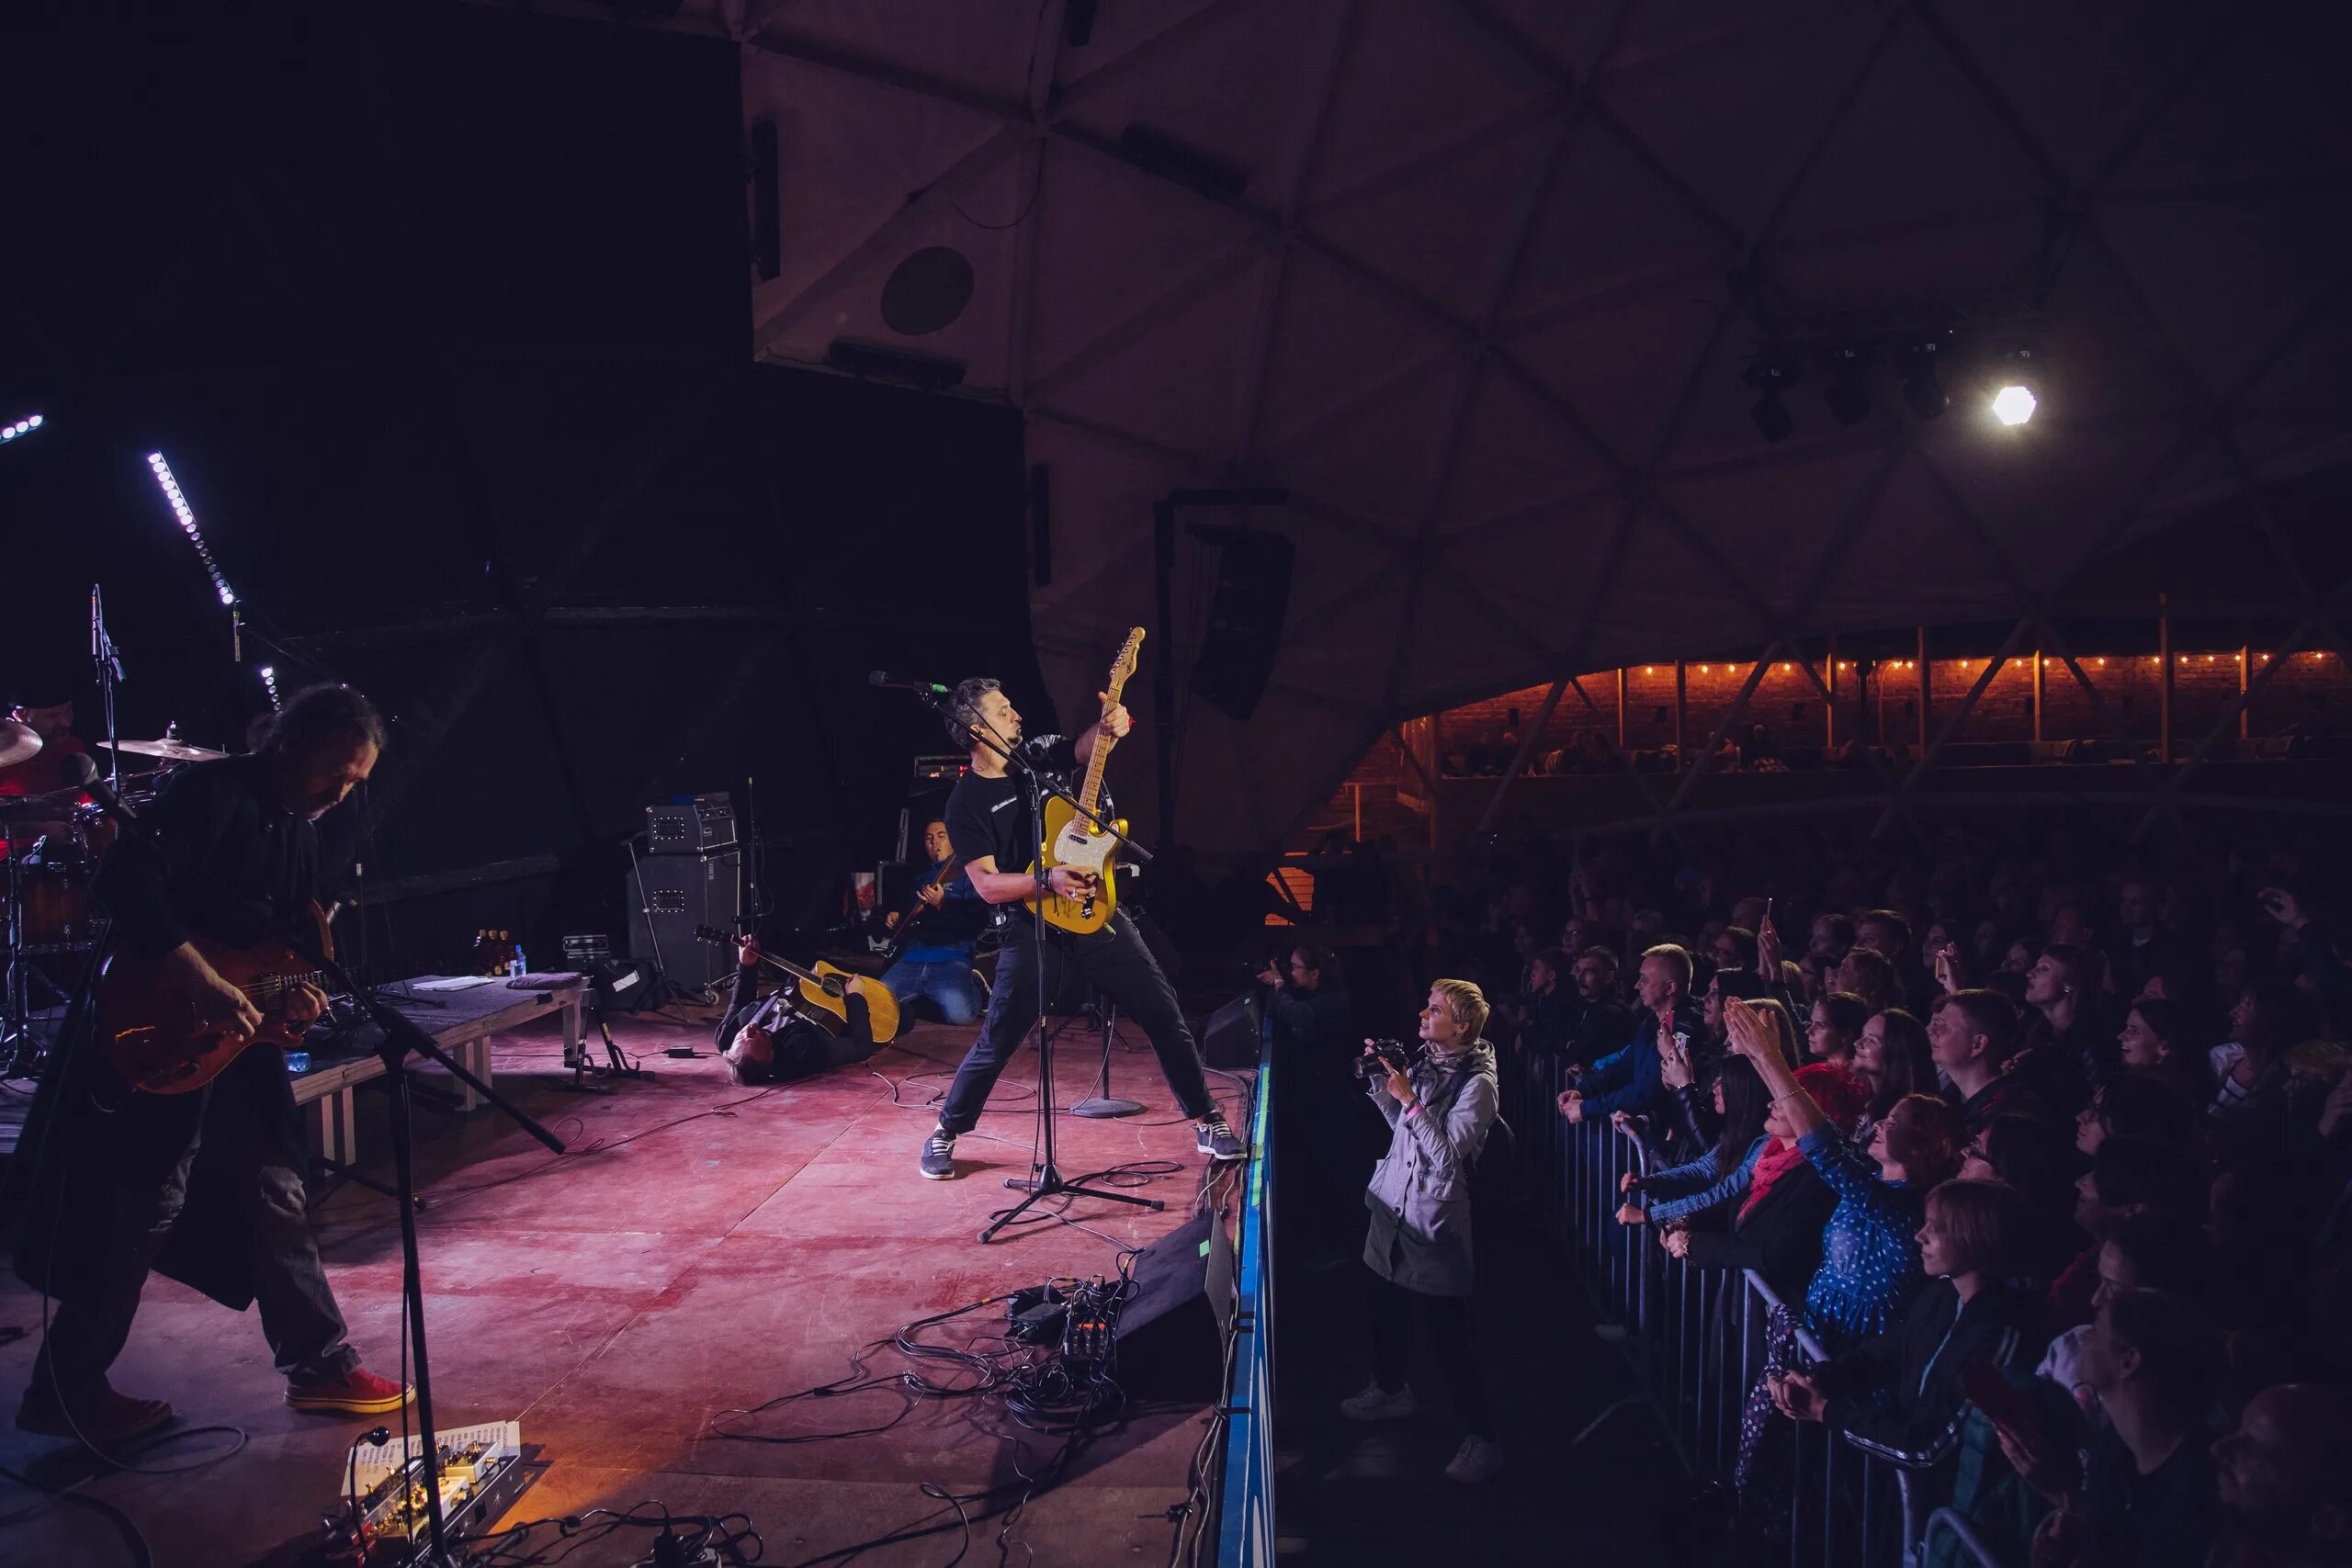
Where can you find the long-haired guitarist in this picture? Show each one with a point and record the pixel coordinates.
(206, 1186)
(772, 1038)
(988, 826)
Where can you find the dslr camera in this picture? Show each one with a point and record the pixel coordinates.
(1388, 1056)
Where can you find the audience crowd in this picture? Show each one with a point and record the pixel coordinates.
(2042, 1138)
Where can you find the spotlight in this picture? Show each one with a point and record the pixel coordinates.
(270, 682)
(1846, 402)
(24, 427)
(1772, 372)
(2014, 404)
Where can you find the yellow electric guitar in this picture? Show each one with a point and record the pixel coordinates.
(1071, 839)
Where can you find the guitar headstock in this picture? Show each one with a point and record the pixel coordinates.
(1123, 665)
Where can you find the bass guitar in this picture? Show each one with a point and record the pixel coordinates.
(152, 1035)
(826, 987)
(902, 929)
(1074, 841)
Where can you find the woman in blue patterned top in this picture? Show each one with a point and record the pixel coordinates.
(1870, 1261)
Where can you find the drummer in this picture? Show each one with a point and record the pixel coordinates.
(44, 770)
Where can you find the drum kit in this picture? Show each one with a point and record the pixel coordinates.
(52, 844)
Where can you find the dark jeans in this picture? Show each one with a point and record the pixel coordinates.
(1113, 959)
(1448, 1318)
(89, 1326)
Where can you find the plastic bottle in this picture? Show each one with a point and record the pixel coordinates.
(522, 964)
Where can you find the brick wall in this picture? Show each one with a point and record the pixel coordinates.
(2312, 693)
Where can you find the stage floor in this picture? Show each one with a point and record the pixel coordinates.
(702, 1247)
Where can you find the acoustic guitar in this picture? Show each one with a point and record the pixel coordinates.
(825, 988)
(1074, 841)
(152, 1035)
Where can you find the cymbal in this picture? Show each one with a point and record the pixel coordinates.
(170, 748)
(17, 742)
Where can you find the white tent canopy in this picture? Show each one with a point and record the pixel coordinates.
(1483, 300)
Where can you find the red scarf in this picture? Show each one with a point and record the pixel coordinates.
(1777, 1160)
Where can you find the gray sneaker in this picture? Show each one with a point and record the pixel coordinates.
(939, 1156)
(1214, 1136)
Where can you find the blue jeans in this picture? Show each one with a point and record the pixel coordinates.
(949, 982)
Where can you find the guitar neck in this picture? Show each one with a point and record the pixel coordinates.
(1091, 794)
(793, 969)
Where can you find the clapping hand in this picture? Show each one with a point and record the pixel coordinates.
(1743, 1028)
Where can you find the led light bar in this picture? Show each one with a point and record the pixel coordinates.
(186, 515)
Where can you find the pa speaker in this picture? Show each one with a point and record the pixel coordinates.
(1246, 612)
(1234, 1034)
(1179, 1307)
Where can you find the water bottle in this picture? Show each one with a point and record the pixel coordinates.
(522, 964)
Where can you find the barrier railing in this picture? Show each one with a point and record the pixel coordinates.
(1695, 1337)
(1245, 1489)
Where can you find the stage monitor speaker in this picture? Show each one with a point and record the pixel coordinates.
(1234, 1034)
(1246, 612)
(1179, 1307)
(681, 893)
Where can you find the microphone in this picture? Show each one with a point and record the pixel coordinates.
(82, 772)
(884, 678)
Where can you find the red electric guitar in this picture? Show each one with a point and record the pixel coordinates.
(153, 1036)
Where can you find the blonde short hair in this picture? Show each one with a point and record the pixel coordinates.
(1466, 1002)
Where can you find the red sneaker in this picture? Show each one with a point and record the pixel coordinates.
(357, 1393)
(104, 1417)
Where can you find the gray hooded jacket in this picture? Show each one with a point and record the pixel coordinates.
(1419, 1196)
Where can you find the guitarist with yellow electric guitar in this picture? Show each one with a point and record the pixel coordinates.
(1053, 880)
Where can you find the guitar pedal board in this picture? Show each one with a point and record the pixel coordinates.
(481, 1473)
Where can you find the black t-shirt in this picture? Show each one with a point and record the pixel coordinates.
(2163, 1519)
(990, 816)
(240, 866)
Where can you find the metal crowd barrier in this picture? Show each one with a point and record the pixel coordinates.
(1695, 1337)
(1244, 1491)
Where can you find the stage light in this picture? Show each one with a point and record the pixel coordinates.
(269, 682)
(24, 427)
(2013, 404)
(1915, 365)
(1848, 403)
(186, 515)
(1772, 372)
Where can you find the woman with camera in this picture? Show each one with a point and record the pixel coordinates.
(1439, 1104)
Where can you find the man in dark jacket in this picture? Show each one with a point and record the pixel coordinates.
(1607, 1021)
(206, 1186)
(1628, 1081)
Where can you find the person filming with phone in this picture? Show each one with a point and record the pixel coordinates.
(1438, 1099)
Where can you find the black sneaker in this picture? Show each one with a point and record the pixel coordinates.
(1214, 1136)
(939, 1156)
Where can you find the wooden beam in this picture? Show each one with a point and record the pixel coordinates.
(1519, 762)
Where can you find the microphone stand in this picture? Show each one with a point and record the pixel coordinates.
(1044, 1179)
(402, 1036)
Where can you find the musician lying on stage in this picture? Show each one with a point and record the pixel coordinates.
(206, 1186)
(782, 1037)
(988, 823)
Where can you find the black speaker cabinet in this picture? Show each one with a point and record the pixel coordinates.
(1172, 1327)
(681, 893)
(1231, 1039)
(1245, 626)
